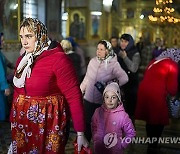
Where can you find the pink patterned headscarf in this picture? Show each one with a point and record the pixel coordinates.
(172, 53)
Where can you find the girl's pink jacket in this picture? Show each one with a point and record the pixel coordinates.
(112, 130)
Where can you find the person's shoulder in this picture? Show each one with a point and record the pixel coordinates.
(60, 55)
(121, 110)
(56, 54)
(114, 58)
(166, 60)
(96, 112)
(171, 62)
(93, 60)
(57, 51)
(99, 109)
(114, 61)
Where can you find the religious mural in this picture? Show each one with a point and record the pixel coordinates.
(9, 19)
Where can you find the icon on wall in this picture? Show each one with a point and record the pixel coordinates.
(77, 26)
(9, 19)
(95, 25)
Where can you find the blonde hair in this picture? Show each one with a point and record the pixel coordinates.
(66, 45)
(30, 24)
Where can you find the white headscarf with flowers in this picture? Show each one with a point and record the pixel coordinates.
(42, 44)
(172, 53)
(110, 54)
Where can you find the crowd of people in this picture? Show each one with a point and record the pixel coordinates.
(52, 86)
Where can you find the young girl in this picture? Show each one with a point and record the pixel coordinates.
(111, 125)
(101, 69)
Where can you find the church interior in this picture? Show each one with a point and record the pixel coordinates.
(97, 20)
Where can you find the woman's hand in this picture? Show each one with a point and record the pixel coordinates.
(81, 141)
(7, 92)
(123, 54)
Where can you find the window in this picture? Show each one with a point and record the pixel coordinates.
(64, 19)
(30, 8)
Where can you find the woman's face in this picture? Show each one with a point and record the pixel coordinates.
(111, 100)
(101, 51)
(28, 39)
(114, 42)
(123, 43)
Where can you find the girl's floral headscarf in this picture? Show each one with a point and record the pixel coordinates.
(110, 53)
(172, 53)
(42, 43)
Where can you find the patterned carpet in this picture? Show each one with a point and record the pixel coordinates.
(173, 130)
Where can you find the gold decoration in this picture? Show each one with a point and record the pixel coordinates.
(163, 12)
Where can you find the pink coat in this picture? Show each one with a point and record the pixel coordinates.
(108, 129)
(103, 72)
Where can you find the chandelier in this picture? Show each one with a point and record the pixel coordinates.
(163, 12)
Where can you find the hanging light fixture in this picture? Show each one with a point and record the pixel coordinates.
(163, 13)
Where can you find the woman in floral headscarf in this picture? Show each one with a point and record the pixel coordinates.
(101, 69)
(45, 89)
(160, 79)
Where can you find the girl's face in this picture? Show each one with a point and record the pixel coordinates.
(28, 39)
(111, 100)
(123, 43)
(101, 51)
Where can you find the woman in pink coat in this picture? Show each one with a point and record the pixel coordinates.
(112, 129)
(101, 69)
(46, 89)
(160, 79)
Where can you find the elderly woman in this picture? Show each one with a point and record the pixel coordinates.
(45, 91)
(102, 69)
(75, 58)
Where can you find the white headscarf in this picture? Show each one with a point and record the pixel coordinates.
(172, 53)
(110, 54)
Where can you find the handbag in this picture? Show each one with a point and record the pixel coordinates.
(174, 107)
(101, 85)
(84, 150)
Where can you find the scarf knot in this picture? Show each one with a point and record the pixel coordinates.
(24, 67)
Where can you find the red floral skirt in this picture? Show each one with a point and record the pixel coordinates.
(39, 125)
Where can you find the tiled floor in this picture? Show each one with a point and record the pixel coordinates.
(173, 130)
